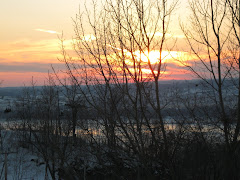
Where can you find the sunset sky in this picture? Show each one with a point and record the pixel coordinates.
(29, 41)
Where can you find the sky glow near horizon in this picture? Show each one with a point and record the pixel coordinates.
(29, 39)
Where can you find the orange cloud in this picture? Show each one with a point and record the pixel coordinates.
(23, 59)
(30, 51)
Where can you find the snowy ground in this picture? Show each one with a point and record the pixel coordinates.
(22, 164)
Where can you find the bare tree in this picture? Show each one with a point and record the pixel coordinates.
(44, 130)
(121, 82)
(213, 39)
(235, 56)
(210, 35)
(75, 102)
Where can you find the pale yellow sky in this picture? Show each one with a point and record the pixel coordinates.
(19, 18)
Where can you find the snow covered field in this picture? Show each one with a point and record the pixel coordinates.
(21, 163)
